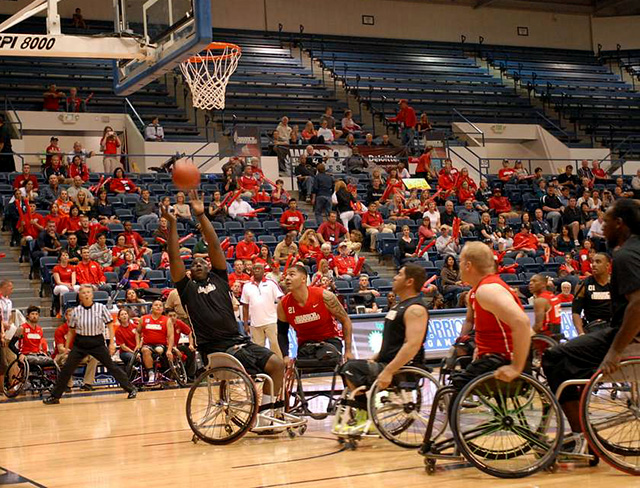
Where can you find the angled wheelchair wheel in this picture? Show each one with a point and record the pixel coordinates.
(401, 411)
(539, 344)
(135, 370)
(292, 399)
(507, 430)
(178, 371)
(16, 378)
(222, 405)
(610, 416)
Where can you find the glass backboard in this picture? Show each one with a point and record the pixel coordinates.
(172, 29)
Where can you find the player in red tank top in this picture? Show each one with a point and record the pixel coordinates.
(156, 330)
(546, 307)
(503, 337)
(312, 312)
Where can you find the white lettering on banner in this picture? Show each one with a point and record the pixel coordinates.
(207, 289)
(306, 318)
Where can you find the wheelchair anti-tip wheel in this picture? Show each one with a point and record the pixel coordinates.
(401, 411)
(222, 405)
(16, 378)
(611, 423)
(507, 430)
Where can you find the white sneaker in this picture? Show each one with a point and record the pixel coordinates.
(152, 377)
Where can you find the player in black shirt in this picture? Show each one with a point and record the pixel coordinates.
(593, 296)
(403, 336)
(581, 357)
(206, 297)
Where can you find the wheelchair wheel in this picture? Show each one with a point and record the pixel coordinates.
(507, 430)
(401, 411)
(222, 405)
(178, 371)
(611, 421)
(135, 370)
(539, 344)
(16, 378)
(292, 402)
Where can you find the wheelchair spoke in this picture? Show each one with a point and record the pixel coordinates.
(530, 436)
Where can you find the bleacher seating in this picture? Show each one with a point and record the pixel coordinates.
(577, 85)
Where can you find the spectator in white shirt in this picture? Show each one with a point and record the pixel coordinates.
(635, 181)
(325, 132)
(259, 302)
(154, 131)
(596, 227)
(403, 172)
(446, 244)
(348, 125)
(6, 288)
(283, 132)
(238, 210)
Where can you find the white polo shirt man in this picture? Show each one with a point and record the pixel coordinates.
(259, 300)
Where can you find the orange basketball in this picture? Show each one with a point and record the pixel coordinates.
(185, 174)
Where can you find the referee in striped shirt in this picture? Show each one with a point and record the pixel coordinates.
(86, 328)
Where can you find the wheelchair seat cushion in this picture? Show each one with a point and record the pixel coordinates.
(318, 355)
(39, 360)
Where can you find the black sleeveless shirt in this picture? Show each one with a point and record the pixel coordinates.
(393, 335)
(597, 300)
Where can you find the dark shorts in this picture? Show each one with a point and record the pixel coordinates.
(578, 358)
(154, 346)
(253, 357)
(485, 364)
(325, 355)
(360, 372)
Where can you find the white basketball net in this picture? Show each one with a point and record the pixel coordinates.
(208, 73)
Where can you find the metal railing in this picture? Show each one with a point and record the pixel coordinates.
(8, 107)
(473, 126)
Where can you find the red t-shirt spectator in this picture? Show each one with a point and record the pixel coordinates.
(29, 229)
(21, 180)
(51, 150)
(344, 264)
(522, 241)
(464, 195)
(31, 341)
(446, 181)
(585, 263)
(242, 278)
(51, 103)
(460, 179)
(60, 338)
(111, 145)
(500, 204)
(64, 272)
(599, 174)
(246, 250)
(249, 183)
(406, 116)
(261, 197)
(332, 233)
(424, 163)
(82, 171)
(179, 327)
(131, 237)
(90, 273)
(562, 298)
(374, 220)
(122, 185)
(126, 336)
(505, 174)
(292, 220)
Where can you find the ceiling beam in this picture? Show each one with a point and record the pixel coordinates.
(483, 3)
(600, 6)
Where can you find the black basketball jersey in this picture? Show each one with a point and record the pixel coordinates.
(597, 300)
(394, 332)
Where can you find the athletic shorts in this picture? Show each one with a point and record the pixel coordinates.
(482, 365)
(361, 372)
(578, 358)
(253, 357)
(154, 346)
(325, 355)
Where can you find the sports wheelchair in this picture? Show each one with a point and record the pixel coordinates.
(223, 404)
(314, 358)
(610, 415)
(399, 413)
(37, 373)
(165, 371)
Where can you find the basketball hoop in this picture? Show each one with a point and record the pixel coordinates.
(207, 74)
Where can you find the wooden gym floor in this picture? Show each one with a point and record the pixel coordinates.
(104, 440)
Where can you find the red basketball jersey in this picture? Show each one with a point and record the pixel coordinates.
(311, 321)
(493, 336)
(154, 331)
(552, 317)
(31, 339)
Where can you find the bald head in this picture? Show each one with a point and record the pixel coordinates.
(476, 261)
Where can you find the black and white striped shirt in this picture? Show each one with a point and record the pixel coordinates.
(90, 321)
